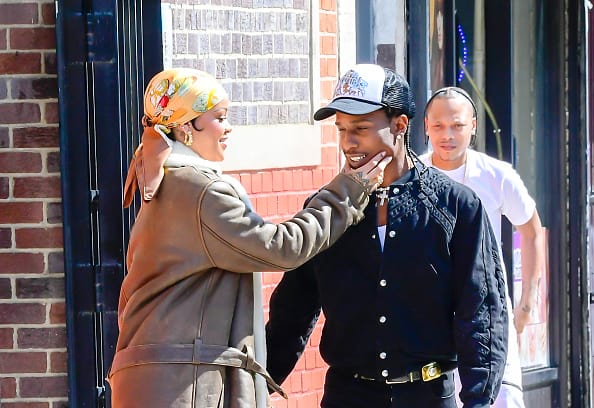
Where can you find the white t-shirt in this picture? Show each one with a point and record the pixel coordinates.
(497, 184)
(502, 193)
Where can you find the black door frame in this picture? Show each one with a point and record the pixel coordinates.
(577, 146)
(103, 64)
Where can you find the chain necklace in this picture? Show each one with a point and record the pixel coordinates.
(382, 192)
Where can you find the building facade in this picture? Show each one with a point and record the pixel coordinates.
(71, 81)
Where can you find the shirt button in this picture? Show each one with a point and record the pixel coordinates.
(385, 373)
(396, 190)
(392, 234)
(383, 282)
(382, 355)
(382, 319)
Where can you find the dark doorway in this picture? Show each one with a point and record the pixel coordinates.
(103, 63)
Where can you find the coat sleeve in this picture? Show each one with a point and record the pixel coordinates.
(294, 312)
(481, 322)
(237, 239)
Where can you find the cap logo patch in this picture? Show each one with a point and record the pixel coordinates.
(351, 84)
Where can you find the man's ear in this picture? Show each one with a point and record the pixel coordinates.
(402, 123)
(398, 124)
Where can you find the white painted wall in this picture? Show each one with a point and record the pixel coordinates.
(347, 35)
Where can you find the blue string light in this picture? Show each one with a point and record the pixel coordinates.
(462, 38)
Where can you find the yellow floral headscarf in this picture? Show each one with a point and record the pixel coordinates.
(178, 95)
(172, 97)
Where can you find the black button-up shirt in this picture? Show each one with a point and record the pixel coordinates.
(435, 293)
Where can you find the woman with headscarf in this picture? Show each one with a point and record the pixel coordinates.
(188, 306)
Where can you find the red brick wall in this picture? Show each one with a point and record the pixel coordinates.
(32, 317)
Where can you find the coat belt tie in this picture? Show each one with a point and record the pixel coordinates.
(197, 353)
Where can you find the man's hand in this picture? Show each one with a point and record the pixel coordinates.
(521, 317)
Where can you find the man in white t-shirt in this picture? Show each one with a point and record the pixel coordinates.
(450, 124)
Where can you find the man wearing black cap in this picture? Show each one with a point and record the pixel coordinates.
(413, 291)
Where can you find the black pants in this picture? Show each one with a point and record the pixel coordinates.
(343, 390)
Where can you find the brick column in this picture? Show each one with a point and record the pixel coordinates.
(32, 319)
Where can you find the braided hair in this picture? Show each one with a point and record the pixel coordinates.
(398, 100)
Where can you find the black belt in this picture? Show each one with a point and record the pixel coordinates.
(428, 372)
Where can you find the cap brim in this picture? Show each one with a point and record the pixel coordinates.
(346, 105)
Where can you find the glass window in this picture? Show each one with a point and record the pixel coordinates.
(528, 153)
(436, 44)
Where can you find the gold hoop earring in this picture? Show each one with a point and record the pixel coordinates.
(188, 138)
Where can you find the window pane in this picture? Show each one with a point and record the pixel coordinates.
(528, 141)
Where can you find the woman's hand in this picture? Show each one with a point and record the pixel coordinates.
(371, 174)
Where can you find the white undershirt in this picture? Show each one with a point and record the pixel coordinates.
(457, 174)
(381, 233)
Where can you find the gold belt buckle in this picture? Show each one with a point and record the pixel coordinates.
(430, 371)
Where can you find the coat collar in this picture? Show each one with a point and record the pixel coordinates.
(182, 156)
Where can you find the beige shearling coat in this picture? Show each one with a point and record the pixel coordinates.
(186, 310)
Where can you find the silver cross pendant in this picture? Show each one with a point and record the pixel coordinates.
(382, 195)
